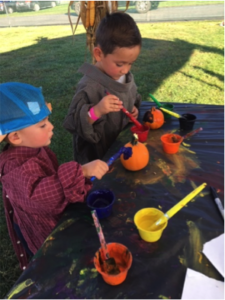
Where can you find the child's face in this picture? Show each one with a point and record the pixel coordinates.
(37, 135)
(119, 62)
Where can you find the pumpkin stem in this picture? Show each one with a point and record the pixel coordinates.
(134, 139)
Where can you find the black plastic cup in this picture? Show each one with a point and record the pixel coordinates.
(187, 122)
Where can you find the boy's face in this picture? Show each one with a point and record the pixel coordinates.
(117, 63)
(37, 135)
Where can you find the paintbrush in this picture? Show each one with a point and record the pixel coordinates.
(177, 207)
(109, 264)
(138, 124)
(156, 101)
(174, 139)
(191, 133)
(172, 113)
(127, 153)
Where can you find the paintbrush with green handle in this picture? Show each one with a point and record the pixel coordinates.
(155, 100)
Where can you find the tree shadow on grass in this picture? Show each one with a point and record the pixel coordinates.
(53, 64)
(211, 73)
(159, 59)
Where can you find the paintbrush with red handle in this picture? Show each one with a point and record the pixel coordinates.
(129, 115)
(138, 124)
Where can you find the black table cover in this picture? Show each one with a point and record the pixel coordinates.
(63, 267)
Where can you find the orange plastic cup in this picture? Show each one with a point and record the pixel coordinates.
(142, 134)
(169, 143)
(123, 259)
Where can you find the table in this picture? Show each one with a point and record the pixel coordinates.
(63, 266)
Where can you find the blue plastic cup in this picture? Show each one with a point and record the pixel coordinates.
(101, 201)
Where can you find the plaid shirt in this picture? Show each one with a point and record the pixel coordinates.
(35, 193)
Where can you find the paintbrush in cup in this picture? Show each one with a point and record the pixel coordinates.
(191, 133)
(109, 264)
(177, 207)
(138, 124)
(155, 100)
(172, 113)
(174, 139)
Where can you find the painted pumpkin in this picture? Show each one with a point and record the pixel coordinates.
(139, 158)
(153, 118)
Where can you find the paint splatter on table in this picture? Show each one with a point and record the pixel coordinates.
(63, 267)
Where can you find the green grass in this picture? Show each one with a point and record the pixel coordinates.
(179, 62)
(187, 3)
(63, 8)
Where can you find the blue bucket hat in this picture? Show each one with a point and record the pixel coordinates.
(21, 105)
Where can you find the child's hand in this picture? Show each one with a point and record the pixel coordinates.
(134, 112)
(96, 168)
(109, 103)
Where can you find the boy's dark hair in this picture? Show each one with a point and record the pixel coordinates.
(117, 30)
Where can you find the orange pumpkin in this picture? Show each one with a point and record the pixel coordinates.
(153, 118)
(139, 158)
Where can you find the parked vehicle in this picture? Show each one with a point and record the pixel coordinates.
(34, 4)
(23, 5)
(140, 6)
(39, 4)
(145, 6)
(7, 6)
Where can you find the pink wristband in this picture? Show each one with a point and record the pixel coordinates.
(92, 114)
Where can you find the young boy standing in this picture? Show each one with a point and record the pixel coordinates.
(94, 118)
(36, 189)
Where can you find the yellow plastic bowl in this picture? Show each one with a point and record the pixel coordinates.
(143, 220)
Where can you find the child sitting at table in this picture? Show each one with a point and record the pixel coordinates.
(36, 189)
(94, 118)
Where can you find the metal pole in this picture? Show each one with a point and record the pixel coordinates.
(7, 14)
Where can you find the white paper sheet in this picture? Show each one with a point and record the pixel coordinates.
(199, 286)
(214, 251)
